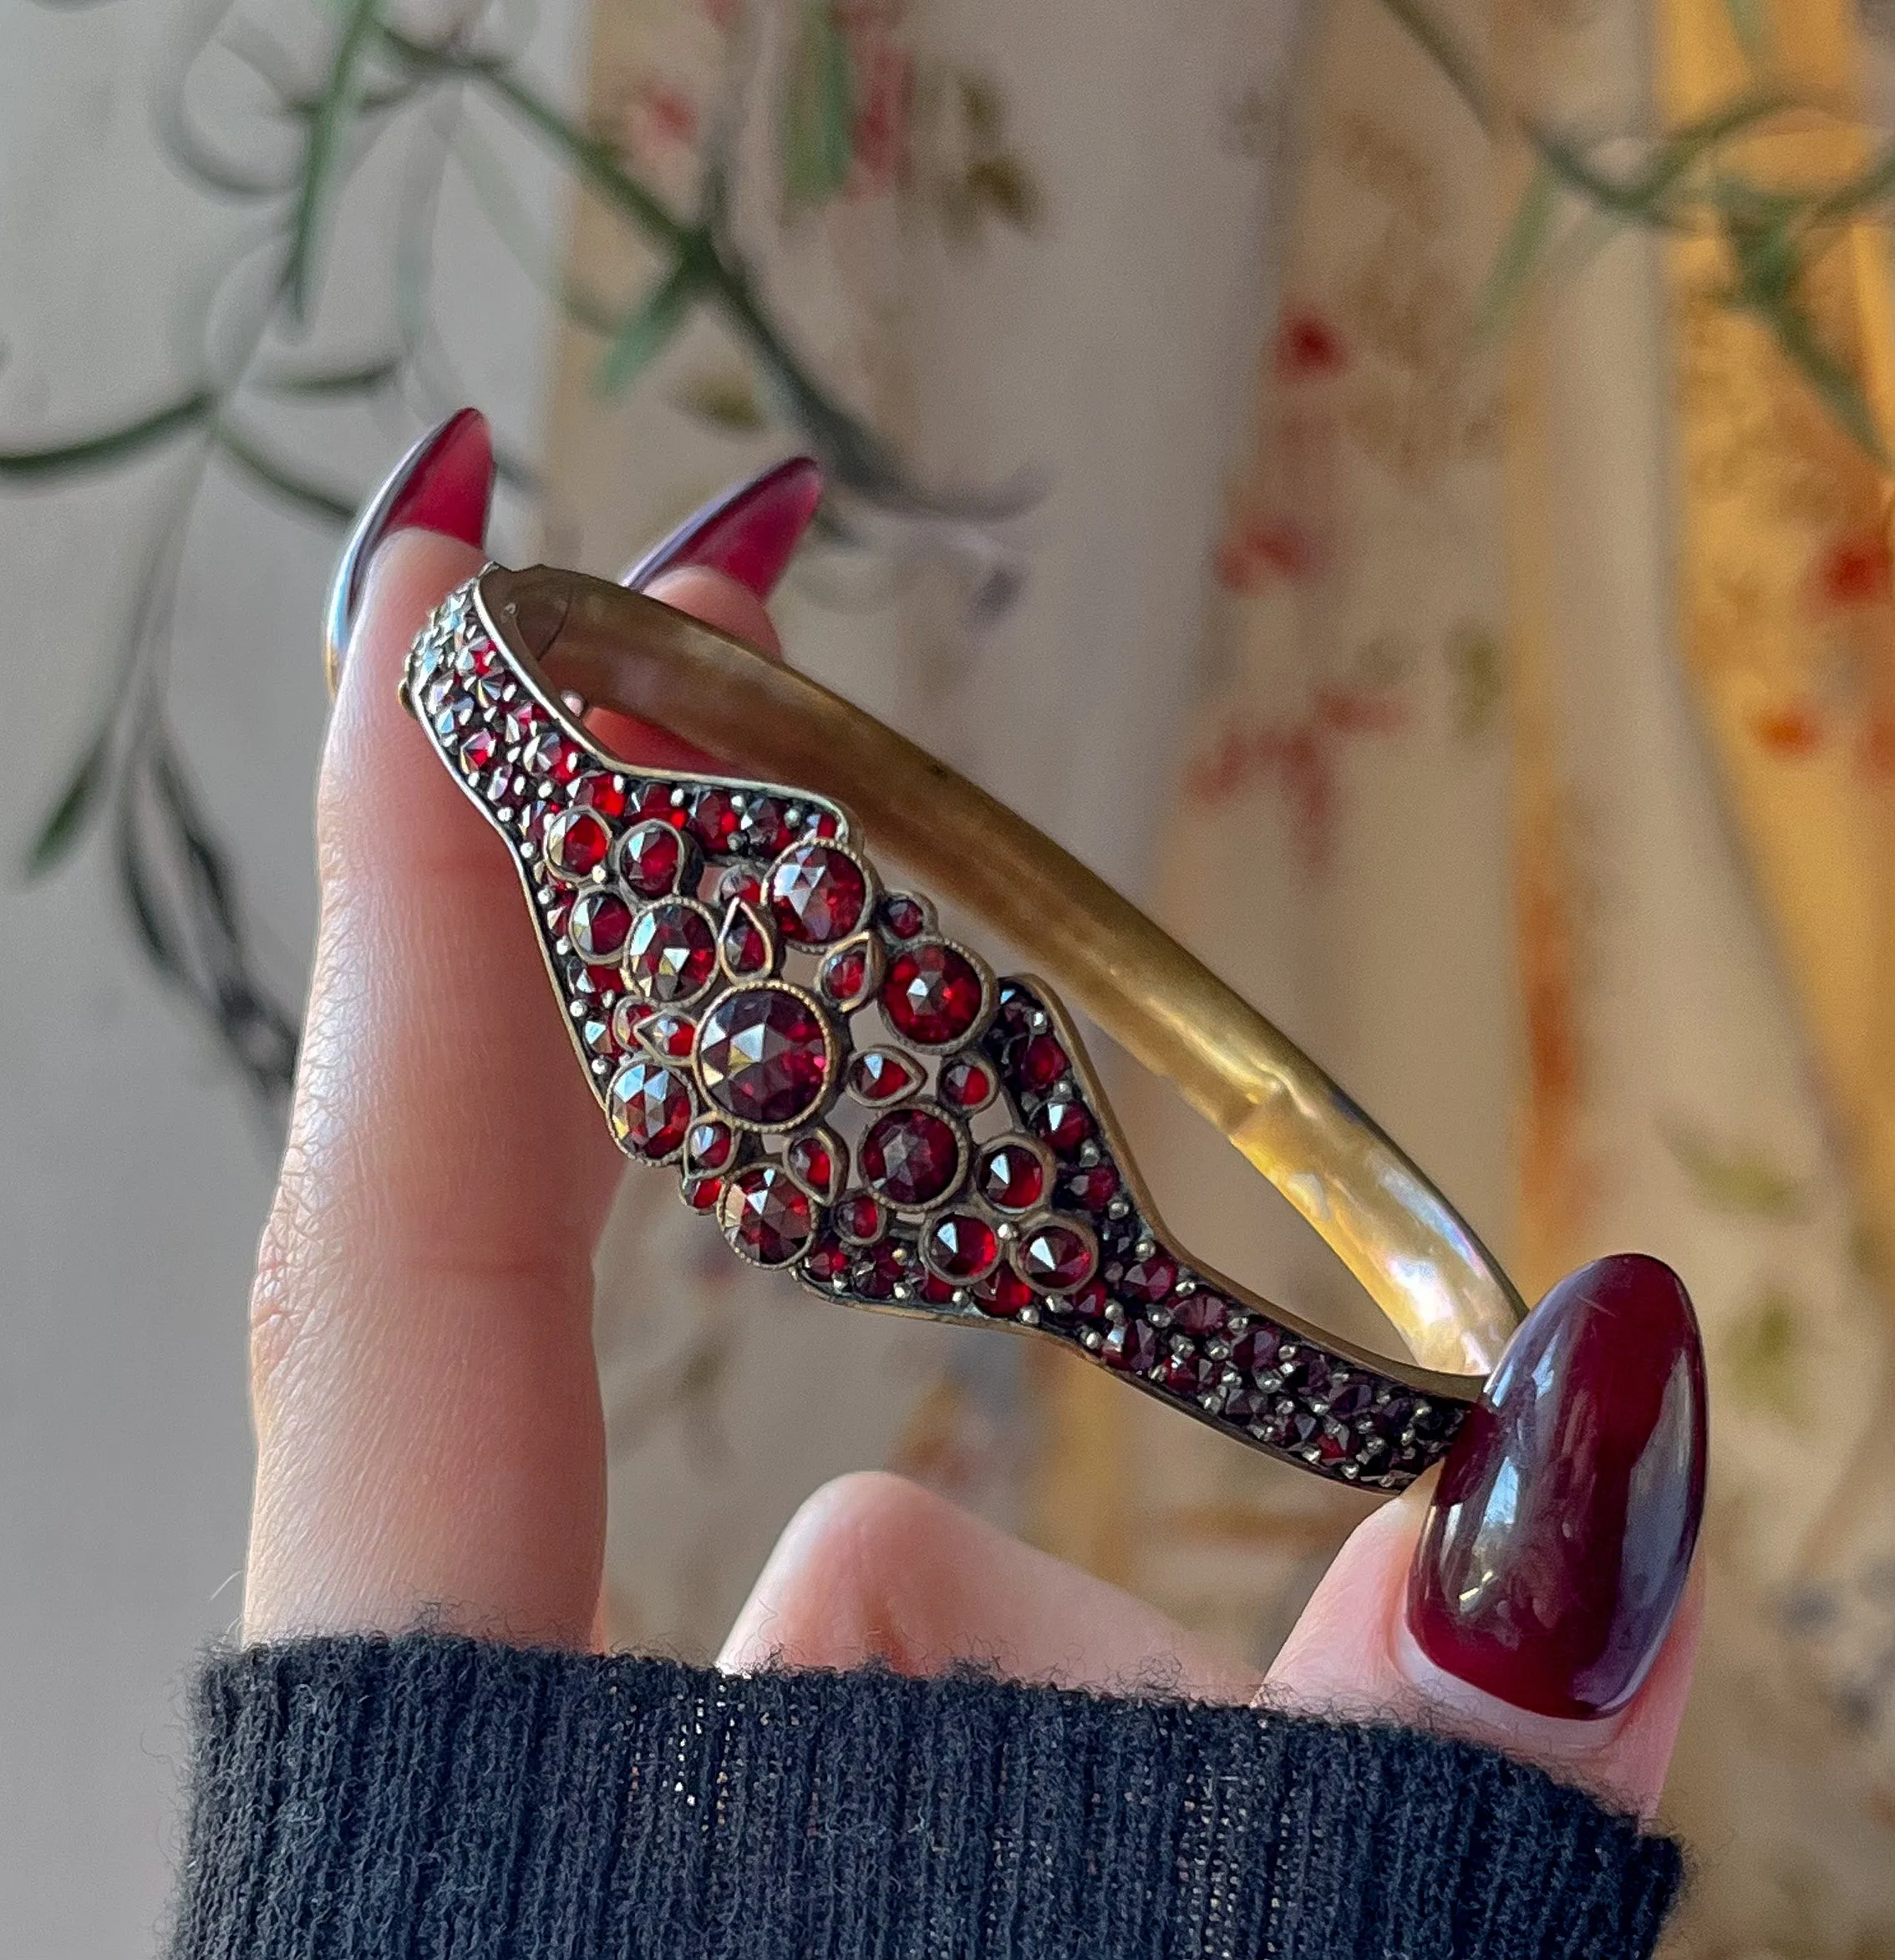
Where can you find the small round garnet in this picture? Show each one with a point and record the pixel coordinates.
(649, 1106)
(1011, 1177)
(766, 827)
(1132, 1346)
(1003, 1293)
(859, 1218)
(1200, 1313)
(553, 757)
(659, 801)
(670, 1034)
(902, 916)
(598, 927)
(765, 1217)
(478, 752)
(651, 859)
(844, 975)
(671, 954)
(932, 995)
(576, 844)
(1062, 1125)
(816, 894)
(877, 1076)
(709, 1145)
(1148, 1280)
(745, 948)
(714, 820)
(967, 1084)
(1042, 1063)
(1094, 1188)
(962, 1246)
(602, 793)
(765, 1055)
(1057, 1257)
(828, 1260)
(1257, 1349)
(912, 1157)
(702, 1194)
(814, 1160)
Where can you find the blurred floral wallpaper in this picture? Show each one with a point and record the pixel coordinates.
(1401, 486)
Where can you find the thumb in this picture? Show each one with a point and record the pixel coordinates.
(1535, 1595)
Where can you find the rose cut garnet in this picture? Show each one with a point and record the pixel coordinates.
(816, 894)
(879, 1077)
(828, 1260)
(659, 801)
(813, 1161)
(598, 928)
(709, 1145)
(764, 1056)
(1042, 1063)
(1003, 1293)
(702, 1194)
(576, 844)
(651, 860)
(844, 975)
(1056, 1257)
(961, 1247)
(1011, 1178)
(967, 1084)
(766, 827)
(553, 757)
(765, 1217)
(714, 820)
(1147, 1280)
(1094, 1188)
(911, 1158)
(1132, 1346)
(650, 1109)
(745, 948)
(1062, 1125)
(669, 1034)
(1255, 1350)
(671, 954)
(861, 1217)
(902, 916)
(932, 995)
(602, 793)
(1199, 1313)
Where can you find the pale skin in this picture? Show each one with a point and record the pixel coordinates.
(430, 1444)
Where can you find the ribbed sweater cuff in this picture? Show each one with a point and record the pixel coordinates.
(431, 1797)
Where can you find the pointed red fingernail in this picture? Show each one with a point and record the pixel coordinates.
(749, 533)
(1560, 1534)
(443, 484)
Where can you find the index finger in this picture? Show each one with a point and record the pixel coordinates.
(430, 1437)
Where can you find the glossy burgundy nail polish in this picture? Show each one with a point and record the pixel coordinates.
(447, 483)
(1562, 1531)
(749, 533)
(444, 483)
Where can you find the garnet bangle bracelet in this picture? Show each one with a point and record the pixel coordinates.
(859, 1100)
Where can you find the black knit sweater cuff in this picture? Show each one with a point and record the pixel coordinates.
(432, 1796)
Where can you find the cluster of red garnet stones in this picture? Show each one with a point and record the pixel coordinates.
(715, 945)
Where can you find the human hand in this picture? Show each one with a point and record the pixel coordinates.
(430, 1443)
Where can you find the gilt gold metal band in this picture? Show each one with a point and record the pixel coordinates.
(861, 1101)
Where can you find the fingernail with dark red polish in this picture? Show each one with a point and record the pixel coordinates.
(443, 484)
(749, 533)
(1560, 1534)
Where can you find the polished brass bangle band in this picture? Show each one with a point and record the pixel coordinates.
(1420, 1263)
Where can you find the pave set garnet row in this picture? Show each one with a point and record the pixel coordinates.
(854, 1098)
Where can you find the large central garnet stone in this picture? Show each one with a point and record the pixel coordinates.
(764, 1056)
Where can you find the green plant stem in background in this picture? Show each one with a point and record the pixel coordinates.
(1687, 185)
